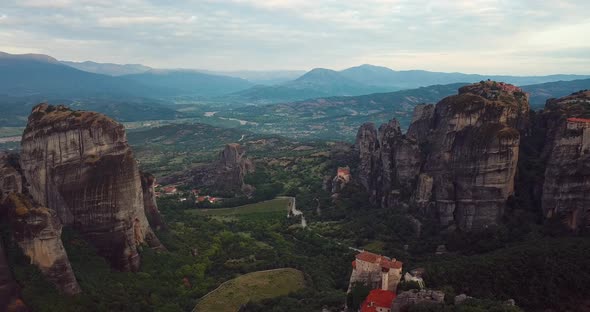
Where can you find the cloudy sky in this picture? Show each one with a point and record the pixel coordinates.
(476, 36)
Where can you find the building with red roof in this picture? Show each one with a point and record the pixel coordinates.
(376, 271)
(169, 190)
(574, 123)
(378, 300)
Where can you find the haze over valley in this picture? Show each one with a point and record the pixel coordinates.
(294, 156)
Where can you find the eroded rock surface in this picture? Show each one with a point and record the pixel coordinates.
(79, 165)
(37, 230)
(226, 175)
(10, 177)
(566, 189)
(458, 160)
(149, 200)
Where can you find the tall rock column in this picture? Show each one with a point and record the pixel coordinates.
(36, 229)
(79, 165)
(367, 147)
(149, 200)
(473, 153)
(458, 160)
(400, 164)
(566, 189)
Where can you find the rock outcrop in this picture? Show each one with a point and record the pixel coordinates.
(341, 179)
(367, 147)
(458, 160)
(226, 175)
(79, 166)
(149, 201)
(37, 230)
(10, 177)
(566, 188)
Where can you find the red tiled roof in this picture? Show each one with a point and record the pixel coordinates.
(392, 264)
(169, 189)
(573, 119)
(368, 256)
(385, 262)
(378, 298)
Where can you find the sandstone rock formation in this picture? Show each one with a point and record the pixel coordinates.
(226, 175)
(37, 230)
(566, 188)
(79, 166)
(367, 147)
(10, 177)
(149, 200)
(458, 160)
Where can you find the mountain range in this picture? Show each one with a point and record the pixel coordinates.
(108, 68)
(28, 79)
(30, 74)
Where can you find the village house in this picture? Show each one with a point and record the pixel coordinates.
(210, 199)
(578, 123)
(169, 190)
(378, 300)
(376, 271)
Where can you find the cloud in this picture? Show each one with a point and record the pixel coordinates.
(122, 21)
(519, 36)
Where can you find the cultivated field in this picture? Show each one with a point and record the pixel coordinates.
(262, 209)
(253, 286)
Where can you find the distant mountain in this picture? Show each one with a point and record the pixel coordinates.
(539, 93)
(366, 79)
(190, 82)
(261, 77)
(26, 80)
(108, 68)
(408, 79)
(32, 74)
(318, 82)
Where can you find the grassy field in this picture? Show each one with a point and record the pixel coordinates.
(277, 206)
(253, 286)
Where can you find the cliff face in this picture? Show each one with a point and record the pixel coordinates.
(367, 147)
(37, 230)
(566, 189)
(149, 200)
(10, 182)
(10, 177)
(228, 172)
(79, 165)
(458, 160)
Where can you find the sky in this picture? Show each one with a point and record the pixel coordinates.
(517, 37)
